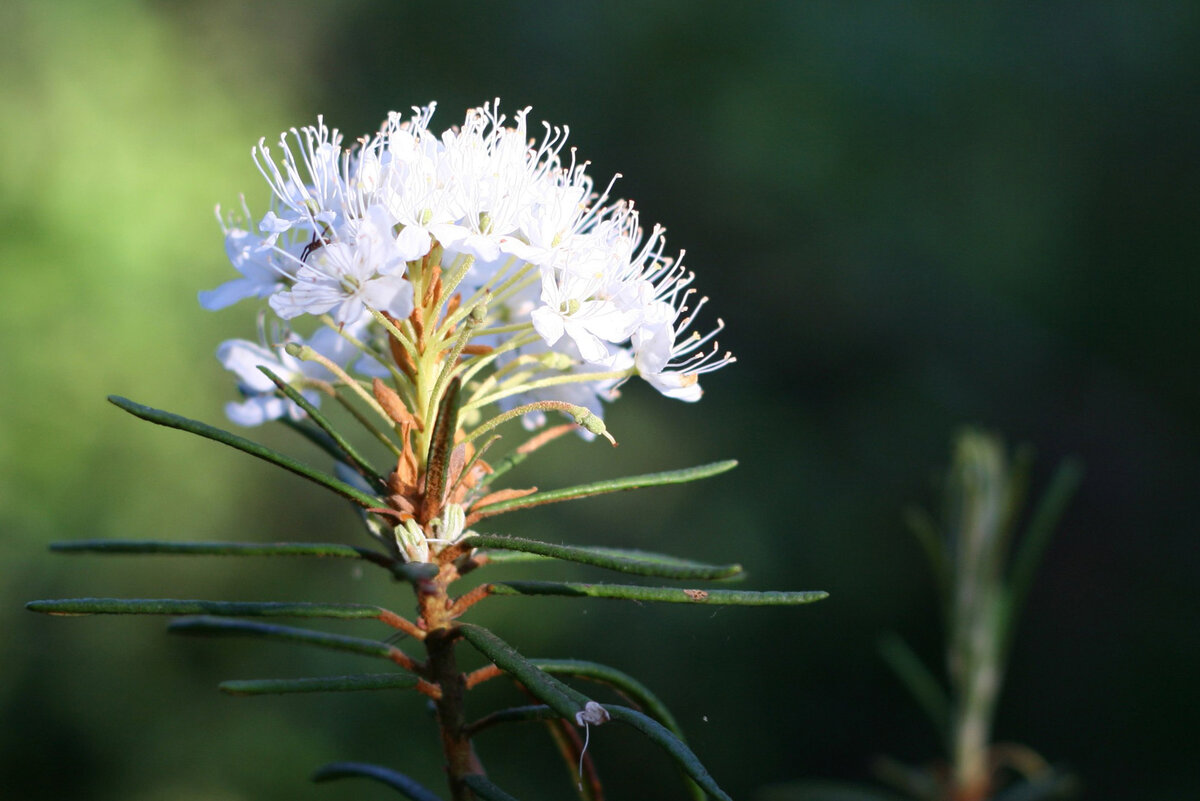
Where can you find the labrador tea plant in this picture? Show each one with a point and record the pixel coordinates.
(437, 288)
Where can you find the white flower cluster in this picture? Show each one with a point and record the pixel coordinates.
(570, 283)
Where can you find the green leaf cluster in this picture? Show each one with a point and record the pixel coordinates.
(562, 707)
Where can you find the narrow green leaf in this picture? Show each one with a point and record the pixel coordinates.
(316, 436)
(164, 547)
(633, 592)
(1036, 538)
(1053, 784)
(507, 463)
(246, 446)
(320, 684)
(314, 414)
(514, 714)
(826, 791)
(512, 557)
(485, 789)
(660, 736)
(925, 530)
(625, 562)
(919, 681)
(625, 684)
(391, 778)
(319, 639)
(441, 443)
(562, 699)
(610, 485)
(171, 606)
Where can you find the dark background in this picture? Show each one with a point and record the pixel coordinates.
(911, 217)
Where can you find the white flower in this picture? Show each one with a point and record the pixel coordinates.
(576, 304)
(310, 188)
(262, 402)
(350, 276)
(671, 360)
(257, 259)
(478, 216)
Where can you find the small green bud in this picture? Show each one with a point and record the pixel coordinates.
(592, 423)
(294, 349)
(554, 360)
(479, 313)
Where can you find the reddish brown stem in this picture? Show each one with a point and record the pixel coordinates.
(405, 661)
(397, 622)
(482, 674)
(465, 602)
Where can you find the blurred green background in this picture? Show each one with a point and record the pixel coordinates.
(912, 216)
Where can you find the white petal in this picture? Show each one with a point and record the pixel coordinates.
(242, 358)
(548, 323)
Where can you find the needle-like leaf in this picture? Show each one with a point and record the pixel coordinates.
(387, 776)
(171, 606)
(348, 450)
(440, 446)
(659, 735)
(1036, 538)
(247, 628)
(919, 681)
(485, 789)
(625, 562)
(604, 487)
(320, 684)
(631, 592)
(622, 682)
(562, 699)
(165, 548)
(246, 446)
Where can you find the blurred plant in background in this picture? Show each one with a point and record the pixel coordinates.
(983, 571)
(468, 280)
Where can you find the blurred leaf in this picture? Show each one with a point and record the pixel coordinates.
(610, 485)
(632, 592)
(919, 681)
(319, 684)
(826, 791)
(925, 530)
(514, 714)
(671, 744)
(1036, 538)
(1055, 784)
(562, 699)
(658, 565)
(393, 779)
(314, 414)
(217, 626)
(170, 606)
(246, 446)
(580, 766)
(485, 788)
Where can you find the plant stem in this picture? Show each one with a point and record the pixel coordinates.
(442, 669)
(460, 758)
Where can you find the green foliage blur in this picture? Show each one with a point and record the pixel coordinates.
(911, 217)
